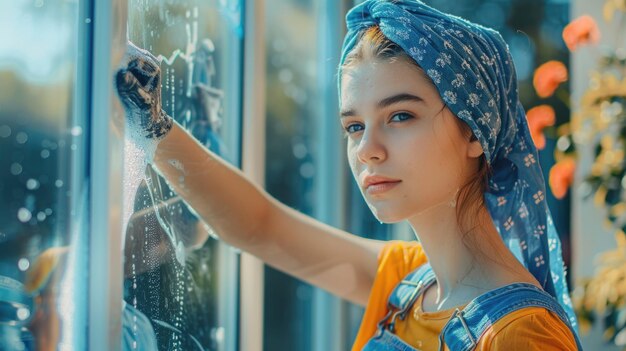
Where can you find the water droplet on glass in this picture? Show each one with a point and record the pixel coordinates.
(307, 170)
(24, 215)
(58, 183)
(23, 264)
(76, 130)
(48, 211)
(16, 169)
(23, 313)
(87, 20)
(299, 150)
(180, 252)
(41, 216)
(218, 334)
(21, 138)
(5, 131)
(32, 184)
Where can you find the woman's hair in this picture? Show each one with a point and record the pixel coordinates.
(374, 45)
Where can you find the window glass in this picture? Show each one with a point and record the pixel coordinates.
(290, 169)
(178, 278)
(43, 179)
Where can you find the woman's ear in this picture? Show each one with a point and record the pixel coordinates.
(474, 149)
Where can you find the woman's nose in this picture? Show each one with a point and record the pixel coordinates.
(371, 149)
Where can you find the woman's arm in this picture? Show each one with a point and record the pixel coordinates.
(246, 216)
(241, 213)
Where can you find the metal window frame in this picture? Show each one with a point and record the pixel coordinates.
(329, 327)
(253, 165)
(106, 169)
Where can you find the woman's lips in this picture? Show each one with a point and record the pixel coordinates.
(380, 188)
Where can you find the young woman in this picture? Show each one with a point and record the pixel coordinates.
(437, 137)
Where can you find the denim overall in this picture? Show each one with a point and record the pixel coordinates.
(464, 328)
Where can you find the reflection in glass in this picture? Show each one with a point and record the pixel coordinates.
(43, 184)
(180, 282)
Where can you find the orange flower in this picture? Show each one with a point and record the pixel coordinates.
(548, 77)
(540, 117)
(561, 176)
(580, 31)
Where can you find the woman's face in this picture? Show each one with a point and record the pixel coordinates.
(397, 127)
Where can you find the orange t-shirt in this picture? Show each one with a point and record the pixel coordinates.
(530, 328)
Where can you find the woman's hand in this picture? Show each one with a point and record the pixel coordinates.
(138, 83)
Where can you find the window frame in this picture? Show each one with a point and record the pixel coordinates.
(103, 48)
(253, 165)
(105, 276)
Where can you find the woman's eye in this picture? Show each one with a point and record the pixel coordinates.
(350, 128)
(356, 127)
(405, 116)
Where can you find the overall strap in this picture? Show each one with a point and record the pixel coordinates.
(405, 294)
(466, 326)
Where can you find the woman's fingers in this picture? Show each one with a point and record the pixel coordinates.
(138, 83)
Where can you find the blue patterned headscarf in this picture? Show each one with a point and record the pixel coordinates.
(474, 73)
